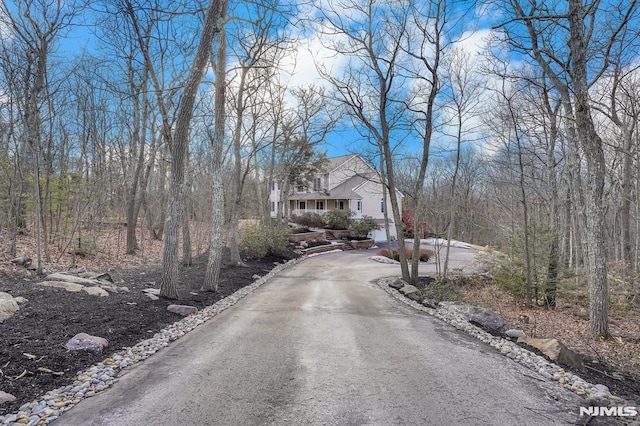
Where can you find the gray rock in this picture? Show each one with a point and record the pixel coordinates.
(20, 300)
(482, 317)
(408, 289)
(6, 397)
(429, 303)
(59, 276)
(96, 291)
(21, 261)
(86, 342)
(183, 310)
(412, 292)
(515, 333)
(556, 351)
(152, 296)
(154, 291)
(8, 306)
(397, 284)
(71, 287)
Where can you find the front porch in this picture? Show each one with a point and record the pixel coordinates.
(320, 206)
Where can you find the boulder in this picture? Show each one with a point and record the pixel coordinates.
(6, 397)
(556, 351)
(183, 310)
(71, 287)
(412, 292)
(397, 284)
(96, 291)
(59, 276)
(86, 342)
(22, 261)
(8, 306)
(488, 320)
(484, 318)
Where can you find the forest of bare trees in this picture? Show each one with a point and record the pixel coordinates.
(507, 124)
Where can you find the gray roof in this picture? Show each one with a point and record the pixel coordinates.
(343, 191)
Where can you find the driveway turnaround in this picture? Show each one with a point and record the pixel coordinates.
(322, 344)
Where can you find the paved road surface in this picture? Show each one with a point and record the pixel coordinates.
(322, 345)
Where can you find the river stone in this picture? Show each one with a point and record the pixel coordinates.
(6, 397)
(515, 333)
(429, 303)
(71, 287)
(556, 351)
(183, 310)
(8, 306)
(96, 291)
(86, 342)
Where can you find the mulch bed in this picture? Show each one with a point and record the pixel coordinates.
(33, 359)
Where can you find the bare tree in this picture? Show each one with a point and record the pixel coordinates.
(36, 25)
(216, 139)
(590, 30)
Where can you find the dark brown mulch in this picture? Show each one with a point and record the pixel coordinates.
(32, 341)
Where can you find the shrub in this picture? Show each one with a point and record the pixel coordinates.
(300, 230)
(257, 243)
(337, 219)
(442, 289)
(312, 220)
(385, 253)
(425, 255)
(509, 275)
(360, 229)
(86, 246)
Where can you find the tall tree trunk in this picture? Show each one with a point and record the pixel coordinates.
(214, 263)
(591, 144)
(179, 148)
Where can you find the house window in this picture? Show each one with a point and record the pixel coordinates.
(302, 205)
(319, 205)
(382, 206)
(317, 184)
(274, 186)
(359, 206)
(300, 188)
(273, 206)
(340, 205)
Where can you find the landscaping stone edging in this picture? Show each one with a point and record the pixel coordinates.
(532, 361)
(103, 375)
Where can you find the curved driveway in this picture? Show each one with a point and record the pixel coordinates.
(322, 345)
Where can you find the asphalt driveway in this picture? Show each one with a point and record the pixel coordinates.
(321, 344)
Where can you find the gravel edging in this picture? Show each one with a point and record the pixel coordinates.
(101, 376)
(593, 394)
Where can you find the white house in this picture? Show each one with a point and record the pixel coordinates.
(346, 182)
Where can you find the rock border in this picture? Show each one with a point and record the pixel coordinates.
(99, 377)
(594, 394)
